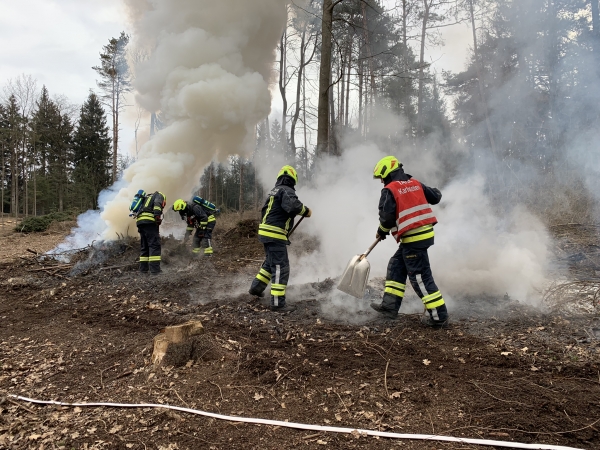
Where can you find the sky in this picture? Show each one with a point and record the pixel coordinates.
(58, 41)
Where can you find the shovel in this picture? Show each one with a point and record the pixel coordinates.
(355, 277)
(295, 226)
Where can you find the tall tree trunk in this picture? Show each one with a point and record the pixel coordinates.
(241, 186)
(478, 64)
(360, 94)
(14, 175)
(3, 178)
(282, 85)
(324, 79)
(210, 181)
(298, 90)
(332, 122)
(369, 52)
(304, 122)
(426, 6)
(346, 111)
(115, 130)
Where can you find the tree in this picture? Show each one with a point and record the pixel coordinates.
(91, 152)
(323, 146)
(115, 82)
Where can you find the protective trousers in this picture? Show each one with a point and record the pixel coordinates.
(414, 263)
(150, 247)
(196, 243)
(207, 241)
(276, 270)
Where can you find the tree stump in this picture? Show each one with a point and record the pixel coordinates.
(174, 346)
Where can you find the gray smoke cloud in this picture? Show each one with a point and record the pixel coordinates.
(207, 72)
(480, 248)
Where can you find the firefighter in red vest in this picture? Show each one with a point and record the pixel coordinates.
(405, 212)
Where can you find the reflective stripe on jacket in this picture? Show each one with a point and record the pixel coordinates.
(278, 214)
(153, 206)
(414, 216)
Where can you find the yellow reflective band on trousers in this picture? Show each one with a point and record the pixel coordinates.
(434, 300)
(272, 232)
(212, 219)
(395, 288)
(144, 259)
(189, 229)
(418, 234)
(196, 250)
(208, 251)
(153, 258)
(264, 276)
(278, 290)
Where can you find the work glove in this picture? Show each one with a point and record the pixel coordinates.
(158, 220)
(308, 212)
(437, 191)
(381, 234)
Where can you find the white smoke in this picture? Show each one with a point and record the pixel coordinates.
(207, 73)
(478, 249)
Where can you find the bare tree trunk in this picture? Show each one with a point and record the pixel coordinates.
(298, 90)
(115, 130)
(282, 85)
(480, 80)
(210, 181)
(369, 53)
(349, 59)
(14, 174)
(342, 93)
(426, 6)
(324, 79)
(304, 122)
(241, 187)
(3, 178)
(360, 95)
(332, 122)
(405, 12)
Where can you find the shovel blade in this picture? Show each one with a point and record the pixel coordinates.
(355, 277)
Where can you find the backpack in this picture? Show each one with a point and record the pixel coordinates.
(208, 205)
(137, 202)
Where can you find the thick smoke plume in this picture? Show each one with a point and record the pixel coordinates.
(207, 73)
(480, 249)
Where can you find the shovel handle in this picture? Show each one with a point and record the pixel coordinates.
(295, 226)
(365, 254)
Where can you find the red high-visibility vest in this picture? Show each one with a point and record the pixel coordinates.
(412, 209)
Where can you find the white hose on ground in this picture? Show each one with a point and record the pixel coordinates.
(424, 437)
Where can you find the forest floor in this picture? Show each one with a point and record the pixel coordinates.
(83, 332)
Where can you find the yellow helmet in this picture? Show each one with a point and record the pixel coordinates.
(179, 205)
(385, 166)
(288, 170)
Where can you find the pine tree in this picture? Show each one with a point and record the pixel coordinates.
(115, 82)
(91, 152)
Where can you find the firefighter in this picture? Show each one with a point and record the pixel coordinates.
(148, 221)
(196, 219)
(278, 213)
(405, 212)
(211, 210)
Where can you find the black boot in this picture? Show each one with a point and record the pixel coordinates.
(256, 293)
(389, 313)
(283, 309)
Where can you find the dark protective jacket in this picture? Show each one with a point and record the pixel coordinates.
(195, 214)
(388, 212)
(152, 209)
(279, 211)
